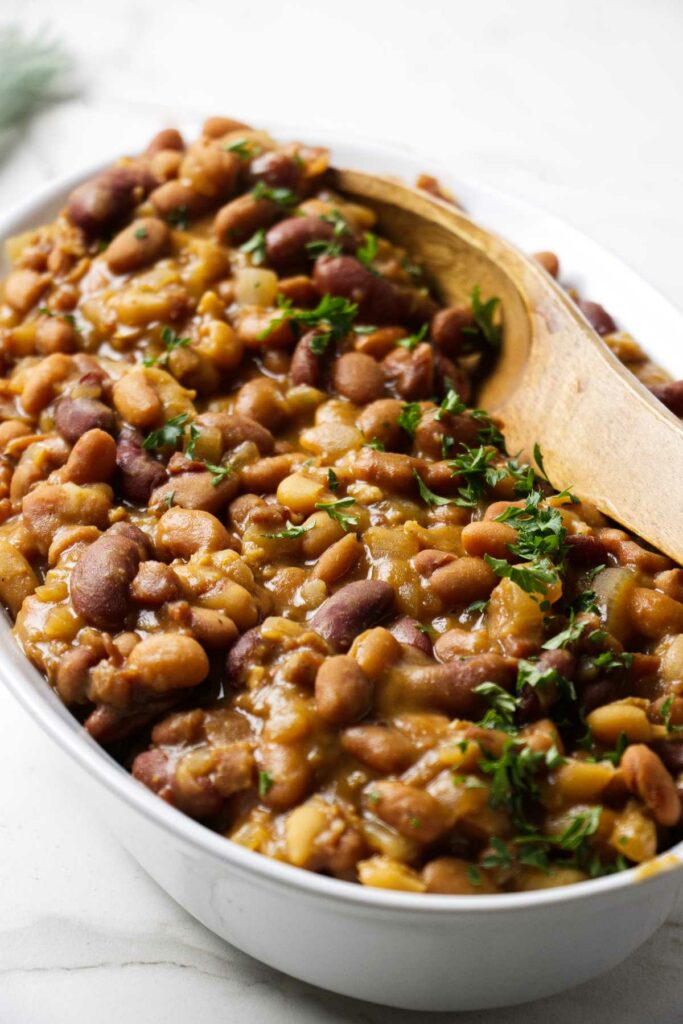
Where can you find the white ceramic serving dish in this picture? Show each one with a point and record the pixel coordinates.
(401, 949)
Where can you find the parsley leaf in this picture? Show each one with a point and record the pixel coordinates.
(244, 149)
(332, 480)
(194, 437)
(367, 252)
(333, 509)
(219, 473)
(409, 417)
(376, 444)
(568, 636)
(141, 233)
(428, 496)
(502, 703)
(483, 313)
(475, 466)
(413, 340)
(534, 578)
(265, 782)
(283, 197)
(452, 404)
(290, 532)
(333, 316)
(256, 247)
(167, 436)
(609, 661)
(179, 217)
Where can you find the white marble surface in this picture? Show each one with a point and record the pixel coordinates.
(573, 105)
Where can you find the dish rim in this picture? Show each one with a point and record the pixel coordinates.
(30, 689)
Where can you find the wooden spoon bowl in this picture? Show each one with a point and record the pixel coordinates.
(556, 383)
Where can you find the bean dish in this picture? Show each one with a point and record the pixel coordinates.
(260, 540)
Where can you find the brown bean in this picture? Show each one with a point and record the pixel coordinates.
(92, 459)
(72, 673)
(261, 400)
(280, 170)
(155, 583)
(379, 421)
(288, 774)
(213, 628)
(437, 428)
(379, 302)
(670, 752)
(428, 561)
(211, 171)
(355, 607)
(306, 366)
(646, 776)
(100, 580)
(141, 243)
(488, 537)
(413, 812)
(358, 378)
(168, 138)
(585, 550)
(463, 581)
(235, 430)
(100, 204)
(167, 661)
(408, 631)
(455, 877)
(380, 748)
(196, 491)
(451, 687)
(598, 317)
(288, 242)
(380, 343)
(240, 218)
(136, 401)
(23, 288)
(338, 559)
(177, 201)
(216, 127)
(653, 614)
(249, 650)
(447, 328)
(411, 374)
(49, 507)
(55, 334)
(388, 470)
(671, 394)
(76, 416)
(138, 471)
(181, 532)
(549, 262)
(343, 693)
(300, 290)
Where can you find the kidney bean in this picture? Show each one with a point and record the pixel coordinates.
(154, 769)
(289, 775)
(646, 776)
(343, 693)
(534, 701)
(141, 243)
(55, 334)
(92, 459)
(306, 366)
(75, 416)
(139, 473)
(249, 650)
(235, 430)
(181, 532)
(407, 631)
(355, 607)
(358, 378)
(465, 580)
(100, 580)
(380, 748)
(413, 812)
(598, 317)
(276, 169)
(447, 328)
(287, 242)
(379, 302)
(671, 395)
(411, 374)
(585, 550)
(72, 673)
(100, 204)
(670, 752)
(239, 219)
(168, 138)
(451, 687)
(549, 262)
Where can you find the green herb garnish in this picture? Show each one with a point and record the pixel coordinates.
(256, 247)
(167, 436)
(409, 417)
(429, 497)
(334, 511)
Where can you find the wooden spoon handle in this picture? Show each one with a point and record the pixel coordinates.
(556, 384)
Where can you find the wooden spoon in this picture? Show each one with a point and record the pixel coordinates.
(556, 383)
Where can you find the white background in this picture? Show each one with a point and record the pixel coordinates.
(572, 104)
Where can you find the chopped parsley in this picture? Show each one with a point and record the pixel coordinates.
(195, 434)
(290, 532)
(141, 233)
(334, 511)
(475, 466)
(179, 217)
(452, 404)
(473, 875)
(167, 436)
(568, 636)
(256, 247)
(409, 417)
(332, 480)
(608, 661)
(429, 497)
(375, 444)
(367, 252)
(333, 318)
(244, 149)
(534, 579)
(483, 313)
(413, 340)
(502, 705)
(282, 197)
(265, 783)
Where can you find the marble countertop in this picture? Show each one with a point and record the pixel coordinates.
(571, 105)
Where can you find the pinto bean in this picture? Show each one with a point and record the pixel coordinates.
(211, 171)
(41, 384)
(177, 200)
(338, 559)
(23, 288)
(451, 687)
(355, 607)
(167, 661)
(182, 532)
(435, 426)
(379, 302)
(453, 876)
(235, 430)
(447, 328)
(216, 127)
(139, 473)
(389, 470)
(549, 262)
(100, 204)
(408, 631)
(92, 459)
(671, 394)
(261, 400)
(138, 245)
(380, 748)
(379, 421)
(411, 374)
(343, 693)
(49, 507)
(168, 138)
(646, 776)
(72, 673)
(276, 169)
(462, 581)
(428, 561)
(55, 334)
(240, 218)
(136, 400)
(488, 537)
(287, 243)
(76, 416)
(598, 317)
(100, 580)
(155, 583)
(358, 377)
(17, 578)
(413, 812)
(306, 365)
(196, 491)
(289, 776)
(653, 614)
